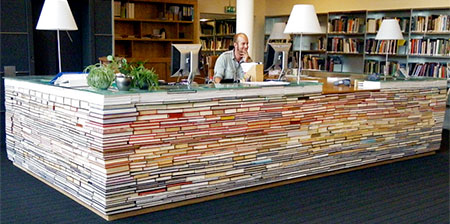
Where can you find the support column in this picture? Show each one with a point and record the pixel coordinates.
(244, 21)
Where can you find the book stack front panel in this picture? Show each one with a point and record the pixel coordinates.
(128, 156)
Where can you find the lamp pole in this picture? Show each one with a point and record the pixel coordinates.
(386, 68)
(300, 60)
(59, 50)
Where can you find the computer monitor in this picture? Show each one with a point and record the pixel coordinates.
(185, 61)
(277, 58)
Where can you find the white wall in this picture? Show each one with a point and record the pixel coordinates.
(214, 6)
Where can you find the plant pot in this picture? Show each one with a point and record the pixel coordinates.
(123, 83)
(145, 86)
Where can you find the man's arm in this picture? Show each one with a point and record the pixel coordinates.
(219, 69)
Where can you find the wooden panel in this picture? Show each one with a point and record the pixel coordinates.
(126, 29)
(185, 31)
(151, 49)
(147, 11)
(171, 29)
(123, 48)
(160, 69)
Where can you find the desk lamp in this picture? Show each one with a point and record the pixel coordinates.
(56, 15)
(389, 30)
(302, 20)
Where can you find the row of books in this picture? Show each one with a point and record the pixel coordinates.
(433, 23)
(383, 46)
(218, 44)
(374, 66)
(225, 27)
(313, 62)
(334, 64)
(345, 25)
(373, 25)
(174, 12)
(439, 47)
(187, 13)
(428, 69)
(124, 10)
(319, 45)
(207, 28)
(345, 45)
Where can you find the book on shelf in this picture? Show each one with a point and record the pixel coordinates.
(432, 23)
(223, 43)
(429, 69)
(313, 62)
(318, 44)
(225, 27)
(345, 45)
(125, 10)
(434, 47)
(373, 25)
(207, 28)
(375, 66)
(117, 8)
(187, 13)
(334, 64)
(383, 46)
(345, 25)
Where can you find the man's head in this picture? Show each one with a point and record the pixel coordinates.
(240, 42)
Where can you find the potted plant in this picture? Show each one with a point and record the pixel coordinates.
(144, 78)
(100, 76)
(122, 68)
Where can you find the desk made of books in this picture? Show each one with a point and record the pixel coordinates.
(127, 153)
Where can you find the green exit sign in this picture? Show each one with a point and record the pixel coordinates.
(230, 9)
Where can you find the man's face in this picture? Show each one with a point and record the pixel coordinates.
(242, 45)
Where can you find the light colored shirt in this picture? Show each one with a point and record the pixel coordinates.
(227, 67)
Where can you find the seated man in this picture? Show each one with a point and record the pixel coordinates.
(228, 66)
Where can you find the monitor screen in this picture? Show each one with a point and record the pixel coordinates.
(277, 56)
(185, 60)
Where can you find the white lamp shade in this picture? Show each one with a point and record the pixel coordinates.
(278, 32)
(56, 15)
(303, 20)
(389, 30)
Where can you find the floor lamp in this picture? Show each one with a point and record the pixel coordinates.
(302, 20)
(389, 30)
(56, 15)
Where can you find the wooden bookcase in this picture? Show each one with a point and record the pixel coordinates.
(138, 31)
(418, 25)
(217, 32)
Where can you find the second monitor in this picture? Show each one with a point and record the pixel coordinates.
(277, 58)
(185, 61)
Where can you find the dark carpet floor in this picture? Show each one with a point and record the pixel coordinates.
(412, 191)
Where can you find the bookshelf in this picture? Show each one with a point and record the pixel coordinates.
(429, 46)
(313, 45)
(144, 31)
(349, 38)
(217, 31)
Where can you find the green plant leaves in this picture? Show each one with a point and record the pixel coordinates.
(144, 78)
(100, 76)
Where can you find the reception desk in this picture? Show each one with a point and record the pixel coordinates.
(127, 153)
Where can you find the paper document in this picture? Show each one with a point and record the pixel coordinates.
(247, 66)
(71, 80)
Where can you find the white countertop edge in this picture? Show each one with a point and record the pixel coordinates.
(414, 84)
(19, 85)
